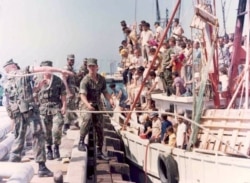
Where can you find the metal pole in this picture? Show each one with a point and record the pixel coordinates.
(135, 10)
(247, 55)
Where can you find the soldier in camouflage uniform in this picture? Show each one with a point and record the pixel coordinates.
(72, 98)
(22, 109)
(166, 70)
(83, 71)
(51, 96)
(91, 88)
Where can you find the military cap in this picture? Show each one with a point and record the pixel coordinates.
(46, 63)
(9, 62)
(92, 61)
(71, 57)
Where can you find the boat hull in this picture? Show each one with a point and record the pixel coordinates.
(193, 166)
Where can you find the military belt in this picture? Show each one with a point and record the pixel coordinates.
(45, 101)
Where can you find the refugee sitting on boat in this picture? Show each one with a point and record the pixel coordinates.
(193, 84)
(155, 86)
(135, 86)
(169, 137)
(131, 84)
(119, 94)
(165, 123)
(224, 80)
(178, 88)
(156, 128)
(146, 126)
(137, 59)
(157, 64)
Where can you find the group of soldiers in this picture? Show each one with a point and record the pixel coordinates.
(45, 102)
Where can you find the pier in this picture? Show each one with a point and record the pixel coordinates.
(74, 166)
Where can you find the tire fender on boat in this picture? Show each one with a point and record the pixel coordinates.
(168, 169)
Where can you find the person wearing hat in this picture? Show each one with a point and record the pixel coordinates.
(156, 127)
(72, 97)
(83, 71)
(91, 88)
(22, 109)
(51, 96)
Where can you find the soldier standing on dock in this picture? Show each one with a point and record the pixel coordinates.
(51, 95)
(22, 109)
(72, 103)
(91, 88)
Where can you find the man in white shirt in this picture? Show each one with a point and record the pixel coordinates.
(158, 32)
(181, 132)
(146, 36)
(177, 29)
(137, 59)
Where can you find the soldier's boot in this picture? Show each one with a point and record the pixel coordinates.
(43, 171)
(56, 152)
(49, 153)
(65, 128)
(81, 145)
(100, 155)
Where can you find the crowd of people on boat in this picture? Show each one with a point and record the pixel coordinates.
(176, 71)
(177, 68)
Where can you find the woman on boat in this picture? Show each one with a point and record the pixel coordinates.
(147, 127)
(178, 87)
(171, 136)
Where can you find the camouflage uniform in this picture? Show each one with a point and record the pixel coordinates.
(22, 108)
(83, 71)
(166, 73)
(72, 101)
(50, 109)
(93, 92)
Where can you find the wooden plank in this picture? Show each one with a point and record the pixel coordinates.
(232, 141)
(246, 144)
(218, 140)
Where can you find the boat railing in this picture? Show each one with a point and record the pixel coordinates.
(220, 133)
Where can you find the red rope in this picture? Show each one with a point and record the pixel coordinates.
(146, 155)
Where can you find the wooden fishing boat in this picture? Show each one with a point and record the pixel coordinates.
(219, 145)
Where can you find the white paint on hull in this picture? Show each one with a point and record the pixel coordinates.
(193, 166)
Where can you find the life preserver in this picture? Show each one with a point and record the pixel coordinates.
(168, 169)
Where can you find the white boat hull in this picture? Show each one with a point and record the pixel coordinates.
(193, 166)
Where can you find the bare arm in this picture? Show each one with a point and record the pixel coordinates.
(51, 69)
(109, 98)
(64, 106)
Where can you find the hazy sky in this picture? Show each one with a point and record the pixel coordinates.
(36, 30)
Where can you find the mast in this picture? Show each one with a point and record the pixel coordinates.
(236, 60)
(223, 4)
(158, 15)
(248, 55)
